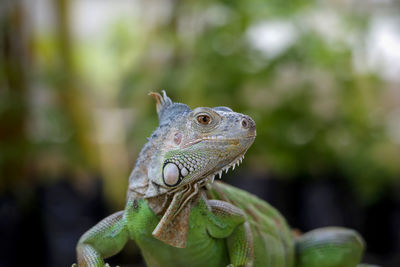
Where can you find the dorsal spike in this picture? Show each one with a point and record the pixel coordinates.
(166, 109)
(162, 101)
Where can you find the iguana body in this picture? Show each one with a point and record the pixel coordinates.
(179, 216)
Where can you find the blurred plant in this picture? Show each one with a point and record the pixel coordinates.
(289, 64)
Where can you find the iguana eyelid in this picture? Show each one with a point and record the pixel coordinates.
(203, 111)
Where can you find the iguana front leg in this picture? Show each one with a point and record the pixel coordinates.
(228, 221)
(103, 240)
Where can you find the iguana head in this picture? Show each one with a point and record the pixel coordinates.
(195, 145)
(186, 151)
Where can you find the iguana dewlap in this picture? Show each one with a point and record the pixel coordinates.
(178, 215)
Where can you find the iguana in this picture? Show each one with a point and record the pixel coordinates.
(178, 215)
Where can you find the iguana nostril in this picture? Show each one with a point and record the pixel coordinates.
(248, 123)
(245, 124)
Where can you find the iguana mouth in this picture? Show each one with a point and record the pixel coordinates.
(218, 139)
(222, 141)
(236, 162)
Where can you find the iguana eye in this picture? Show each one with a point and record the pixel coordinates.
(204, 119)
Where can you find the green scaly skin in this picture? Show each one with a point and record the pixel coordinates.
(178, 215)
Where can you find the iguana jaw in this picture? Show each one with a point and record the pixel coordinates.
(214, 138)
(203, 159)
(237, 162)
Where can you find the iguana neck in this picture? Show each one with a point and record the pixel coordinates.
(158, 197)
(139, 182)
(172, 205)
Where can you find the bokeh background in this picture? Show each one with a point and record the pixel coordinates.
(320, 78)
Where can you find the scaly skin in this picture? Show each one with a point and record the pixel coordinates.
(179, 216)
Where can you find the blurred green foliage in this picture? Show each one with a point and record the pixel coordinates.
(316, 114)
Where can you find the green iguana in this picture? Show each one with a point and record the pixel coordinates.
(178, 215)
